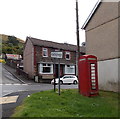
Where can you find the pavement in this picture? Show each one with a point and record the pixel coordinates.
(21, 78)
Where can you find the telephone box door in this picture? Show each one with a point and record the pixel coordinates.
(93, 78)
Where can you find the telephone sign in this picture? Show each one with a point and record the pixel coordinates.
(88, 75)
(57, 55)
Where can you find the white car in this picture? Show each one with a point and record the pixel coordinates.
(69, 79)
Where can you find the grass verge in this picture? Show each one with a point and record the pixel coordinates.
(69, 104)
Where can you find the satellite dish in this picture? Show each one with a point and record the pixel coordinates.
(83, 43)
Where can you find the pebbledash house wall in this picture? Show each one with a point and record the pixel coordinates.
(102, 40)
(28, 60)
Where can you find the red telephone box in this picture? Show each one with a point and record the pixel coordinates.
(88, 75)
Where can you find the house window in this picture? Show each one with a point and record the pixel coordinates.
(46, 68)
(45, 52)
(69, 69)
(67, 55)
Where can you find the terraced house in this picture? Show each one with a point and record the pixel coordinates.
(38, 60)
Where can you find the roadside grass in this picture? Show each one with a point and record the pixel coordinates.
(69, 104)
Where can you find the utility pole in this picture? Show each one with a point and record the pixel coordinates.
(78, 40)
(77, 29)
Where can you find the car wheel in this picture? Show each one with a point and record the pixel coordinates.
(61, 82)
(74, 82)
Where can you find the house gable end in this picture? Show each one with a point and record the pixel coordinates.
(106, 12)
(28, 56)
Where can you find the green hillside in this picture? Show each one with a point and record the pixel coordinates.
(11, 44)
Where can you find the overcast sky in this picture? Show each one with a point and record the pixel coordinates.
(53, 20)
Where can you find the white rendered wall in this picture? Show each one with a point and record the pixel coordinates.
(108, 75)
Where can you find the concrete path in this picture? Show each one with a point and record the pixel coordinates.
(8, 99)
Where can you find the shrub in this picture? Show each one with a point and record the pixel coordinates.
(2, 61)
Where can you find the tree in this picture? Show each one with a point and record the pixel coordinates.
(9, 50)
(11, 45)
(13, 40)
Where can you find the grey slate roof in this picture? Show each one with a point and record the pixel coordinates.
(51, 44)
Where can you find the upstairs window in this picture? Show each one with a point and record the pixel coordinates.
(67, 55)
(44, 52)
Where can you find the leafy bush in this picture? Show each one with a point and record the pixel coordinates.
(2, 61)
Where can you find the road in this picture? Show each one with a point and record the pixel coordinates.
(14, 91)
(11, 84)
